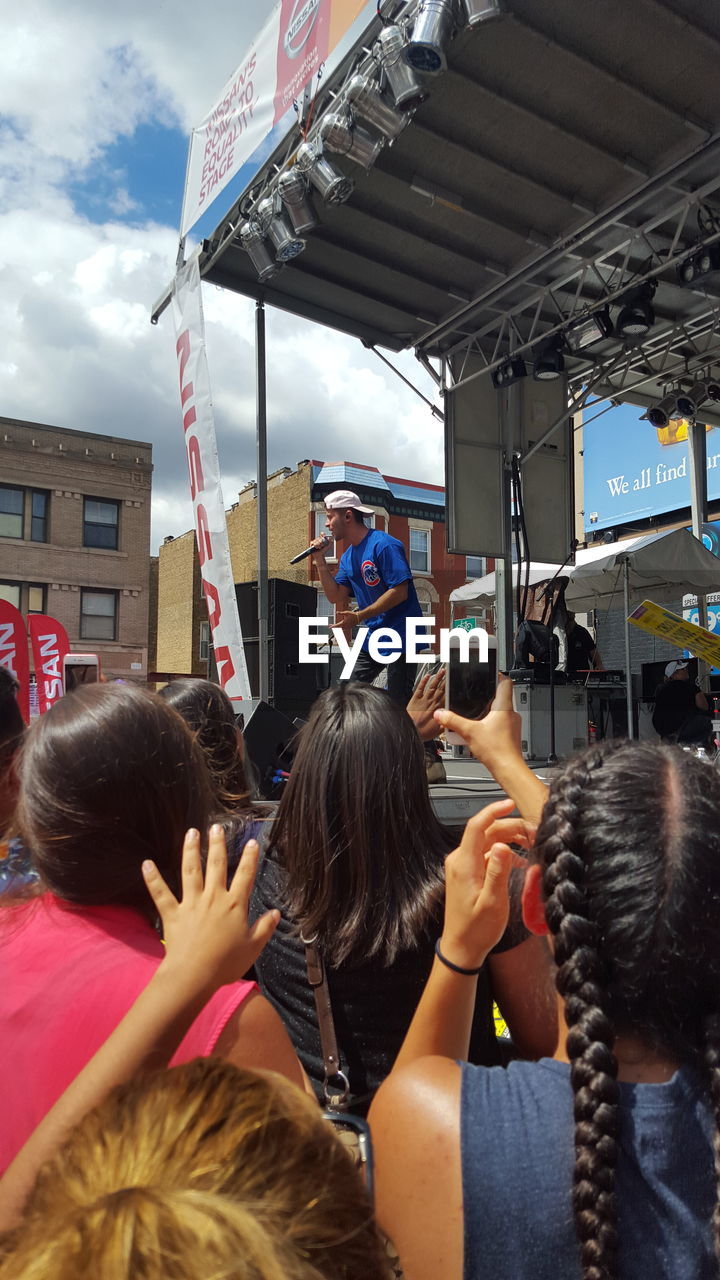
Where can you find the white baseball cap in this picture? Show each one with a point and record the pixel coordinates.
(672, 667)
(344, 499)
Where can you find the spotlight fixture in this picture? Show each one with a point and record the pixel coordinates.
(334, 186)
(637, 316)
(368, 102)
(476, 11)
(511, 371)
(699, 264)
(661, 413)
(276, 225)
(698, 393)
(549, 362)
(713, 392)
(293, 191)
(588, 330)
(252, 239)
(434, 22)
(340, 134)
(685, 407)
(407, 91)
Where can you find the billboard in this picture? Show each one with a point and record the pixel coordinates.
(302, 41)
(633, 470)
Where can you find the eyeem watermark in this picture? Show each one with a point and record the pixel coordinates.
(386, 644)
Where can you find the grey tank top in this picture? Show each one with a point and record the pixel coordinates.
(517, 1168)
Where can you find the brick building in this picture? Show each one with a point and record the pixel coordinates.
(412, 511)
(75, 537)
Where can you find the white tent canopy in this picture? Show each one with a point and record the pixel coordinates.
(658, 566)
(662, 566)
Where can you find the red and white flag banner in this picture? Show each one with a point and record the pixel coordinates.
(14, 652)
(49, 645)
(205, 488)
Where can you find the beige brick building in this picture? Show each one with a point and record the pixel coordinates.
(75, 537)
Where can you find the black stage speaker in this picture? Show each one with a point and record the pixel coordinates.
(268, 736)
(293, 685)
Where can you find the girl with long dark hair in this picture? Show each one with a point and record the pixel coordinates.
(109, 778)
(356, 862)
(597, 1163)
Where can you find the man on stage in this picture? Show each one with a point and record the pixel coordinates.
(373, 569)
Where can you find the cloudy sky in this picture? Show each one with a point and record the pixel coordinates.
(96, 104)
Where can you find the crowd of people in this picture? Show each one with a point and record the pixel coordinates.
(172, 957)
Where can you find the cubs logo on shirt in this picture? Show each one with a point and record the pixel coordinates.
(370, 575)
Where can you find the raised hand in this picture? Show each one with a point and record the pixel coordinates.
(427, 698)
(207, 935)
(477, 873)
(494, 740)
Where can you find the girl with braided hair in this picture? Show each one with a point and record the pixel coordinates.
(609, 1142)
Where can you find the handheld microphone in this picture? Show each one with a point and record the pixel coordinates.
(310, 550)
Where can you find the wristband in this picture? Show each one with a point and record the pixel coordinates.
(456, 968)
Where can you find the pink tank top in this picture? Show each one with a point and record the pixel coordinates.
(67, 978)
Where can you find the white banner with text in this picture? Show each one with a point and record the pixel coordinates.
(205, 488)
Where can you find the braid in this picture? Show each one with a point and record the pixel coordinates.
(712, 1064)
(581, 980)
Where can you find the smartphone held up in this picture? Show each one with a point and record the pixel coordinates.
(80, 668)
(470, 680)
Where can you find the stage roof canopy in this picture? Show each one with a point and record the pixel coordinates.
(569, 153)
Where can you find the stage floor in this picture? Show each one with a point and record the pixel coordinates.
(468, 789)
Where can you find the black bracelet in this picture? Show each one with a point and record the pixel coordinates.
(456, 968)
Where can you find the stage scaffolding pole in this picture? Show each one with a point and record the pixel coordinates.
(262, 540)
(697, 451)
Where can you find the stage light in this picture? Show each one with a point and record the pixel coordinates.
(661, 413)
(252, 239)
(425, 51)
(368, 102)
(407, 91)
(583, 333)
(293, 191)
(713, 392)
(699, 264)
(549, 362)
(476, 11)
(637, 316)
(334, 186)
(684, 406)
(698, 393)
(278, 230)
(339, 134)
(512, 371)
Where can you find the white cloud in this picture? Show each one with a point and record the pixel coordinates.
(75, 296)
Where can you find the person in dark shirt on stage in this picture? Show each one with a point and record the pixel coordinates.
(681, 710)
(373, 569)
(582, 652)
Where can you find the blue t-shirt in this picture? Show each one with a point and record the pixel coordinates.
(369, 570)
(517, 1171)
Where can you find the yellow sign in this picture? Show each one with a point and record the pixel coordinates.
(670, 626)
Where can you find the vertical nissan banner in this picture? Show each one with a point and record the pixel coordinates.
(205, 489)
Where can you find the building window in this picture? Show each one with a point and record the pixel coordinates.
(324, 607)
(28, 597)
(204, 641)
(11, 512)
(35, 599)
(474, 567)
(38, 516)
(100, 523)
(321, 528)
(98, 611)
(420, 550)
(10, 591)
(369, 521)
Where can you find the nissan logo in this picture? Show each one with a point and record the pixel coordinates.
(302, 20)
